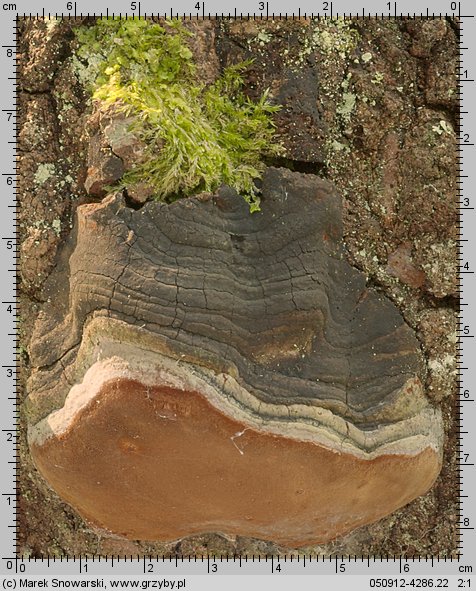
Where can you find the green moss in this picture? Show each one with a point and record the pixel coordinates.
(198, 137)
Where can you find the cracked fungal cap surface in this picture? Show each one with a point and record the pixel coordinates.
(200, 368)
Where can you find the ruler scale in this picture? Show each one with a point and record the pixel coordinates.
(359, 572)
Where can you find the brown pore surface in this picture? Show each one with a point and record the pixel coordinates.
(160, 463)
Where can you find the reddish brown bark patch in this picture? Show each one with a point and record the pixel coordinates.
(401, 265)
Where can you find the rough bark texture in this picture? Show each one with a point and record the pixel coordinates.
(392, 156)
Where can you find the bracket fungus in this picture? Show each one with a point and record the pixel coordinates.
(199, 368)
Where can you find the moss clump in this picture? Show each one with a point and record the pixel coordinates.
(198, 137)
